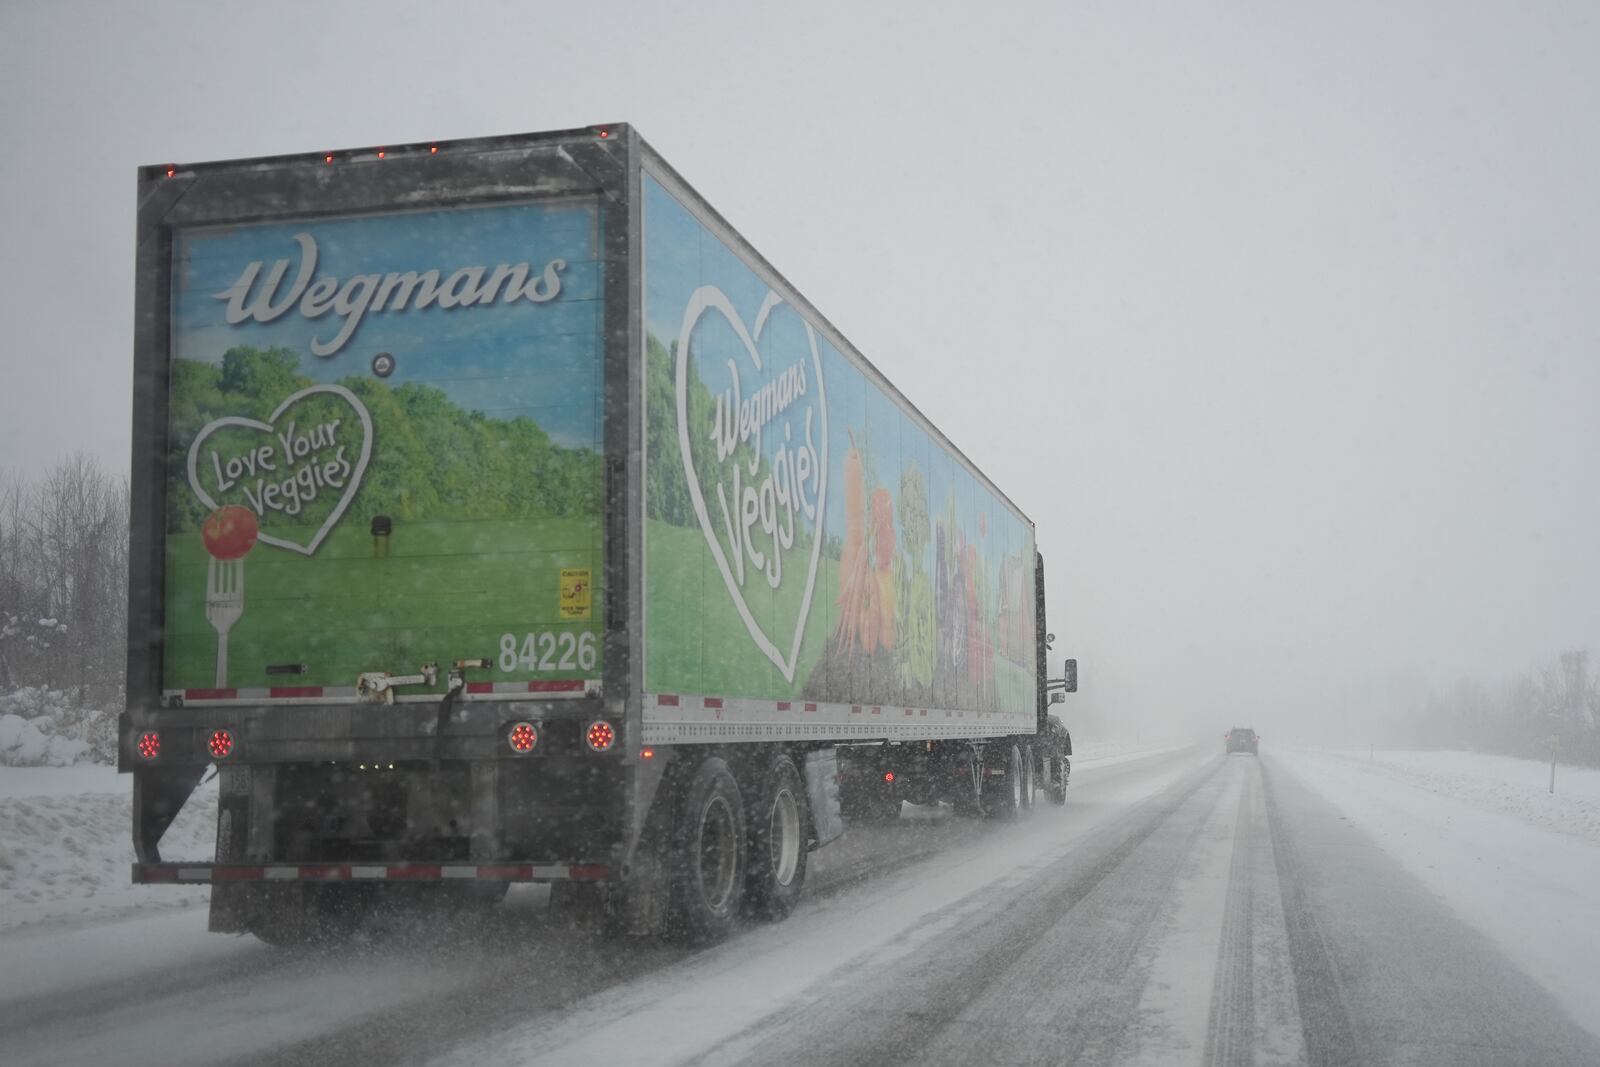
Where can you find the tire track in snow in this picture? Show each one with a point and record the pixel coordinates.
(1330, 1037)
(1232, 1032)
(1049, 969)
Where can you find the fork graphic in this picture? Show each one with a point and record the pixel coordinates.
(224, 605)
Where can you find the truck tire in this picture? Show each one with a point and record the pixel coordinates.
(708, 855)
(1057, 769)
(1030, 780)
(779, 831)
(1002, 797)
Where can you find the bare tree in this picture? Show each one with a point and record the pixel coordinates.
(63, 581)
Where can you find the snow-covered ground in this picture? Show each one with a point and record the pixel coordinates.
(679, 1015)
(66, 846)
(1485, 835)
(1481, 833)
(1504, 784)
(1154, 918)
(1109, 752)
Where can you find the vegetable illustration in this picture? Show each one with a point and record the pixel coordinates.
(229, 532)
(867, 593)
(855, 498)
(915, 623)
(882, 528)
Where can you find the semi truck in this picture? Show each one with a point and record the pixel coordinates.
(500, 515)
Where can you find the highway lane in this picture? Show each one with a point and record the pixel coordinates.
(1182, 908)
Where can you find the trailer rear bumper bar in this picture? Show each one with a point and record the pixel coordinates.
(208, 873)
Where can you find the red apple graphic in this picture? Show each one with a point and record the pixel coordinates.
(229, 532)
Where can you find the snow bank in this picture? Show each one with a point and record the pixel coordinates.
(66, 845)
(1504, 784)
(44, 728)
(24, 744)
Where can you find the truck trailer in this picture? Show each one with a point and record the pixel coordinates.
(500, 515)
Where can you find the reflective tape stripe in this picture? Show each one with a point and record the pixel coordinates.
(506, 873)
(338, 872)
(321, 872)
(418, 871)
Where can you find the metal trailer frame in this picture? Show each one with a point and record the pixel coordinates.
(607, 163)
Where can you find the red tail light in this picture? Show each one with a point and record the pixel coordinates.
(220, 744)
(522, 737)
(150, 745)
(888, 776)
(600, 736)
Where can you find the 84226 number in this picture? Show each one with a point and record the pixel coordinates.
(548, 650)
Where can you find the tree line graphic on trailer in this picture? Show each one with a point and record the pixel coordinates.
(440, 482)
(425, 486)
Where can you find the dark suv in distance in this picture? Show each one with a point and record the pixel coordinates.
(1243, 739)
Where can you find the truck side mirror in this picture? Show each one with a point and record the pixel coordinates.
(1071, 676)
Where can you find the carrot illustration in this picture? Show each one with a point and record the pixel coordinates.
(867, 594)
(855, 499)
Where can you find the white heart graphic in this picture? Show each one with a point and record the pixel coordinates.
(710, 298)
(357, 470)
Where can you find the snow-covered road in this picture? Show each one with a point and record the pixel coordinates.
(1184, 907)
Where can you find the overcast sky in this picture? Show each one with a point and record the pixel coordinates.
(1282, 322)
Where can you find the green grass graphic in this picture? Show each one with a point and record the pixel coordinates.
(446, 590)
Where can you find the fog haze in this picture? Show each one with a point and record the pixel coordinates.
(1280, 324)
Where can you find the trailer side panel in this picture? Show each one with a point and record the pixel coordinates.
(820, 563)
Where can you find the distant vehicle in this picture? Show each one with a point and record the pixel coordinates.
(1243, 739)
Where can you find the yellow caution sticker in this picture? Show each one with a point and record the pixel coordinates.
(575, 593)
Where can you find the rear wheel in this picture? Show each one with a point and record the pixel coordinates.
(1002, 793)
(1030, 781)
(708, 854)
(777, 849)
(1057, 768)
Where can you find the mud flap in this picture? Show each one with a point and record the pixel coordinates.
(822, 791)
(231, 901)
(158, 794)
